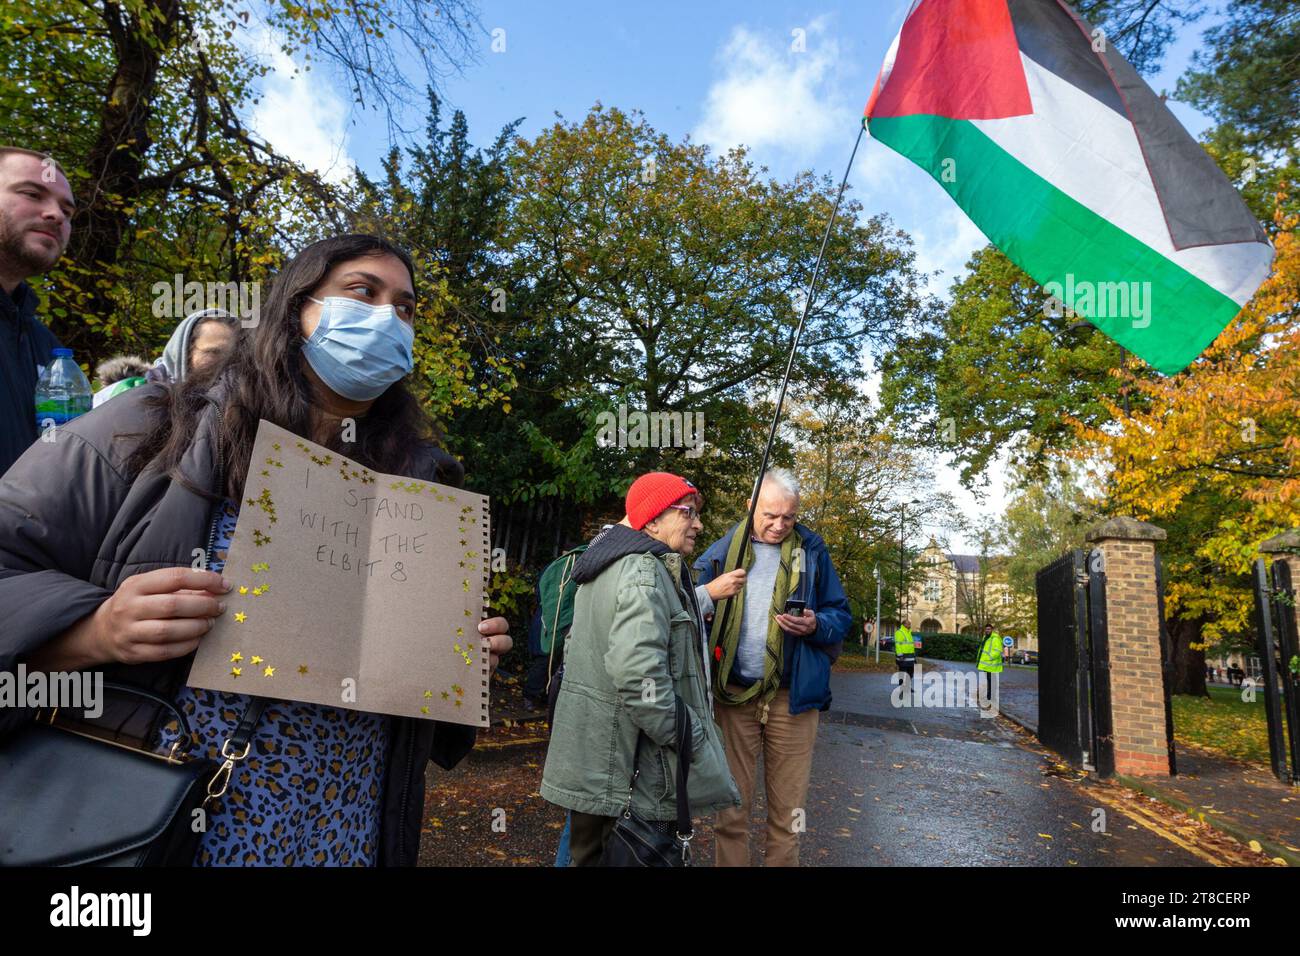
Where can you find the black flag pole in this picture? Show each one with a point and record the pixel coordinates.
(794, 348)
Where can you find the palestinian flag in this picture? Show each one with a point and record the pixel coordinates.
(1072, 166)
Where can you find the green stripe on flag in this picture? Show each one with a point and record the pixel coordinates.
(1054, 237)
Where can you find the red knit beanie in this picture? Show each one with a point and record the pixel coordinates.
(652, 493)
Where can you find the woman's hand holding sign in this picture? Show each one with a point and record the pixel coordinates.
(496, 629)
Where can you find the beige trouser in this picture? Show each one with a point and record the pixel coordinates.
(787, 745)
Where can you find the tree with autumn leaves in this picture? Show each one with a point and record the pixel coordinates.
(1213, 456)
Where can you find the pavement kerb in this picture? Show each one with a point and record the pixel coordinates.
(1237, 832)
(1019, 721)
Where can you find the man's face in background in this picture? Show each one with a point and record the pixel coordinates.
(36, 207)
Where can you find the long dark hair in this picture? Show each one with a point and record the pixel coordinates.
(264, 379)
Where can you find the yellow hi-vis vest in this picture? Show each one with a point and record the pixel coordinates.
(991, 654)
(903, 642)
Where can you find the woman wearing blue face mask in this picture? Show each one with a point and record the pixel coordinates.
(98, 533)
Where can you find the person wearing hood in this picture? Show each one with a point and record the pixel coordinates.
(636, 645)
(202, 339)
(119, 374)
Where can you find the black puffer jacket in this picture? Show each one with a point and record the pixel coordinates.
(25, 346)
(73, 526)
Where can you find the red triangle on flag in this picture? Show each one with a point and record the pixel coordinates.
(958, 59)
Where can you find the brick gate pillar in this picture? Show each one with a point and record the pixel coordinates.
(1137, 689)
(1285, 547)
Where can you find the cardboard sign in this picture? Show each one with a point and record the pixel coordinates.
(352, 589)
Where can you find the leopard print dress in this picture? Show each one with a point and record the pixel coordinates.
(310, 791)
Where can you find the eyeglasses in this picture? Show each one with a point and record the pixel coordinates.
(688, 510)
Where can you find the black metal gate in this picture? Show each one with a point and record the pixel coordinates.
(1276, 635)
(1074, 717)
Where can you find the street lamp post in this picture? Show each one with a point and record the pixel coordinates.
(877, 631)
(902, 557)
(902, 554)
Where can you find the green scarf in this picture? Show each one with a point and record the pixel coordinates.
(726, 622)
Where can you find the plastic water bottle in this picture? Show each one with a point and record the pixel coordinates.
(63, 392)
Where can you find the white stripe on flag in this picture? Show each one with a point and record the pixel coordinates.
(1092, 154)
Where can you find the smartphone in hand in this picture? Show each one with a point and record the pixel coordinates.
(795, 608)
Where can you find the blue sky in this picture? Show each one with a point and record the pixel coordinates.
(724, 73)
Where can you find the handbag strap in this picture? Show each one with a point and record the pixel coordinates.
(158, 699)
(236, 747)
(685, 828)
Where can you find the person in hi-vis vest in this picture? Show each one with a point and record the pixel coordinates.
(990, 657)
(905, 647)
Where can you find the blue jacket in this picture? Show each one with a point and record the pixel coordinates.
(807, 668)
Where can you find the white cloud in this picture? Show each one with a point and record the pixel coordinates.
(300, 115)
(944, 241)
(770, 97)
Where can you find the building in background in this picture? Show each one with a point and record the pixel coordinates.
(959, 593)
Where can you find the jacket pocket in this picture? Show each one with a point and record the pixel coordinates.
(681, 632)
(584, 757)
(654, 788)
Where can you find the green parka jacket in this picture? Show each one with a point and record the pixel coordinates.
(636, 643)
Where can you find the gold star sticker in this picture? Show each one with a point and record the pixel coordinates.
(236, 657)
(302, 668)
(235, 671)
(269, 672)
(243, 589)
(240, 617)
(424, 710)
(428, 693)
(445, 695)
(256, 660)
(458, 702)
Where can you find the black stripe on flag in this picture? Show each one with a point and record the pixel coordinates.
(1201, 207)
(1048, 36)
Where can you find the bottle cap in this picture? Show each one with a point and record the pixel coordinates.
(63, 353)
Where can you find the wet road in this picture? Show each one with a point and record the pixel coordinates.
(927, 786)
(937, 786)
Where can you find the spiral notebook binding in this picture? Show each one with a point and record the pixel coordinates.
(485, 517)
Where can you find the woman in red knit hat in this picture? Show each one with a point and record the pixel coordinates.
(636, 646)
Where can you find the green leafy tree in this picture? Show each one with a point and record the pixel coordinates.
(673, 277)
(1002, 368)
(1046, 518)
(144, 103)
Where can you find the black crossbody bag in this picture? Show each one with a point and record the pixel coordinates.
(70, 799)
(635, 841)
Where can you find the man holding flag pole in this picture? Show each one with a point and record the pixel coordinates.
(1061, 154)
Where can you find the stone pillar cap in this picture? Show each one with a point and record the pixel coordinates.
(1126, 529)
(1286, 541)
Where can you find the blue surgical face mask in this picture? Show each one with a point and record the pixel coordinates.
(358, 350)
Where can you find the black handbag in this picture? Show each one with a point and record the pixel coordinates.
(635, 841)
(70, 799)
